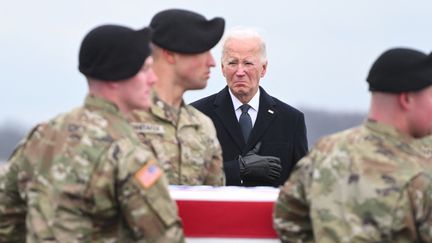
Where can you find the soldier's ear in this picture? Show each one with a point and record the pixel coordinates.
(405, 100)
(168, 56)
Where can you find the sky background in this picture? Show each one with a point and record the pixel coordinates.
(319, 51)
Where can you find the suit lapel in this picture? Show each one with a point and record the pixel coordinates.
(225, 111)
(266, 114)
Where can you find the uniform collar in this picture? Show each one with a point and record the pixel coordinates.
(95, 102)
(387, 130)
(168, 113)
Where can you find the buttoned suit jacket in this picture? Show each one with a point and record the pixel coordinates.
(279, 127)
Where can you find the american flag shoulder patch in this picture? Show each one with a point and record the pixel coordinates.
(148, 174)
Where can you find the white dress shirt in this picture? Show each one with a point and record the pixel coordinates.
(254, 103)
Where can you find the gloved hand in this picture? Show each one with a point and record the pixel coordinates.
(256, 167)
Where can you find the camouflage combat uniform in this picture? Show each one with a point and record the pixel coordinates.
(185, 143)
(366, 184)
(85, 177)
(425, 146)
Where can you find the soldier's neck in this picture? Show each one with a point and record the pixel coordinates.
(169, 93)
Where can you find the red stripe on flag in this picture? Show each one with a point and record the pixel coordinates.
(229, 219)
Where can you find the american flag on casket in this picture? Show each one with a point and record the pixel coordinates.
(226, 214)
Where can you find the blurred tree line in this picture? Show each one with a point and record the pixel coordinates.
(321, 122)
(10, 134)
(318, 124)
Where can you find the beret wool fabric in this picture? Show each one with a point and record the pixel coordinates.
(400, 70)
(113, 52)
(186, 32)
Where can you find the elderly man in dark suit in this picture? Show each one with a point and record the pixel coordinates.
(262, 138)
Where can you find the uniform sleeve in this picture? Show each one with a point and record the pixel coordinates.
(420, 194)
(215, 173)
(215, 176)
(12, 208)
(144, 200)
(291, 218)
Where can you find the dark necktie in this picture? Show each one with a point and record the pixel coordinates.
(245, 121)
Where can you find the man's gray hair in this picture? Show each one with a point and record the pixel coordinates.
(245, 33)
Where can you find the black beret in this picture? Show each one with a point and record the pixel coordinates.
(185, 31)
(113, 52)
(400, 70)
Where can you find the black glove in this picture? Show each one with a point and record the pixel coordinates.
(255, 167)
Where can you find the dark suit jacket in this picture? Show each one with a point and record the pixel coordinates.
(279, 127)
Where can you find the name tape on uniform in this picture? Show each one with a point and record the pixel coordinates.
(148, 128)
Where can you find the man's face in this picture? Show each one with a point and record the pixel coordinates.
(243, 67)
(420, 115)
(193, 70)
(135, 92)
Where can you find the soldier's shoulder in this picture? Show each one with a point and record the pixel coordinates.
(86, 126)
(99, 124)
(34, 132)
(329, 146)
(197, 114)
(349, 136)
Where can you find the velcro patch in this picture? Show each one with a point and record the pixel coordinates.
(148, 174)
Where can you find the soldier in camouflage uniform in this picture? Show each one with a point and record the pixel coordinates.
(85, 176)
(369, 183)
(183, 139)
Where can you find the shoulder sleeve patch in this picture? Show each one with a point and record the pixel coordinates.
(148, 174)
